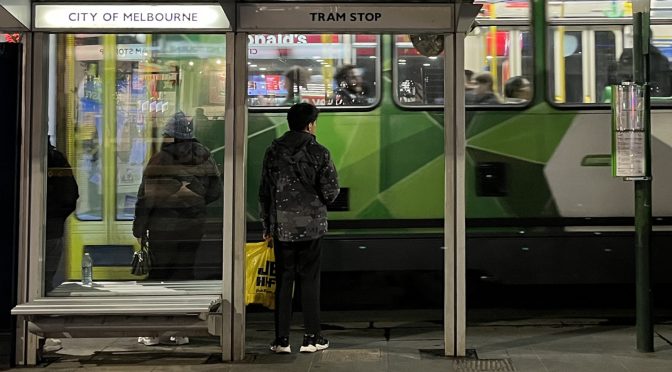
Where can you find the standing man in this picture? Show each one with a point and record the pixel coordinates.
(298, 181)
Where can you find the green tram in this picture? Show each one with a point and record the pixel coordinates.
(541, 204)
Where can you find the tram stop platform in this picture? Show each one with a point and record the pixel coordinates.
(401, 341)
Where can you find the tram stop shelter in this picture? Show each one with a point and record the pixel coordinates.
(206, 307)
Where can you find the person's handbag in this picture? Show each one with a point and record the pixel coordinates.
(142, 258)
(260, 279)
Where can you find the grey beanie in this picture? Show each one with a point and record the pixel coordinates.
(179, 126)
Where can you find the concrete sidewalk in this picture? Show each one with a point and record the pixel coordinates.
(413, 342)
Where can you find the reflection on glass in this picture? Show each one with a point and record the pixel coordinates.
(327, 69)
(178, 183)
(117, 94)
(498, 69)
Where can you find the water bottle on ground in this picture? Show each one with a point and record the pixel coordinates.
(87, 270)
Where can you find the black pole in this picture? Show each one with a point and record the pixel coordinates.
(643, 195)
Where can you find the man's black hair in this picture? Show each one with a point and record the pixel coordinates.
(300, 115)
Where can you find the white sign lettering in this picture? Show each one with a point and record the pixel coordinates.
(111, 16)
(279, 39)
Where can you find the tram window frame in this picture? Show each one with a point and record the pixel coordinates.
(577, 27)
(336, 108)
(525, 26)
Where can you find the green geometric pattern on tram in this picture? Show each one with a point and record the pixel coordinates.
(262, 130)
(531, 137)
(354, 142)
(375, 210)
(528, 192)
(349, 138)
(409, 142)
(479, 121)
(424, 187)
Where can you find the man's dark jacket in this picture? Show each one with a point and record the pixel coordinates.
(177, 184)
(62, 192)
(298, 180)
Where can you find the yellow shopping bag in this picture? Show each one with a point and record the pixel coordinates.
(260, 277)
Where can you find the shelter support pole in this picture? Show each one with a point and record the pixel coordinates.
(454, 223)
(33, 186)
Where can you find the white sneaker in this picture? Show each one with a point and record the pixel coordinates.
(179, 340)
(281, 345)
(52, 344)
(313, 343)
(148, 341)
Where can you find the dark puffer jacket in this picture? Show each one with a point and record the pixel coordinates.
(177, 184)
(298, 180)
(62, 192)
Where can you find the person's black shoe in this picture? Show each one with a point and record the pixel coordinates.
(313, 343)
(281, 345)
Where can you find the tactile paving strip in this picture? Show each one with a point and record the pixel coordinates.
(484, 365)
(352, 355)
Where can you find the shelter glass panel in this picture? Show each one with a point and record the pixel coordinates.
(136, 138)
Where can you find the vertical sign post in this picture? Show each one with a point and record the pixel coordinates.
(643, 198)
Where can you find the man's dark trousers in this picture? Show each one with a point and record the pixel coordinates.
(300, 261)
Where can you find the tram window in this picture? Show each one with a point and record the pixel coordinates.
(587, 61)
(498, 70)
(614, 9)
(137, 114)
(323, 69)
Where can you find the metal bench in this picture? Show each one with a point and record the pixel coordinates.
(120, 309)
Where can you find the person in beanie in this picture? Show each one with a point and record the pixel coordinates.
(177, 184)
(298, 181)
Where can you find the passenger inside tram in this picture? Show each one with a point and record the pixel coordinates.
(350, 88)
(296, 79)
(469, 83)
(483, 93)
(517, 90)
(660, 77)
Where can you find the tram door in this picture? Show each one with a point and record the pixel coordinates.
(337, 57)
(10, 99)
(118, 119)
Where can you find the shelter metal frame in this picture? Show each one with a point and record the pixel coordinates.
(231, 326)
